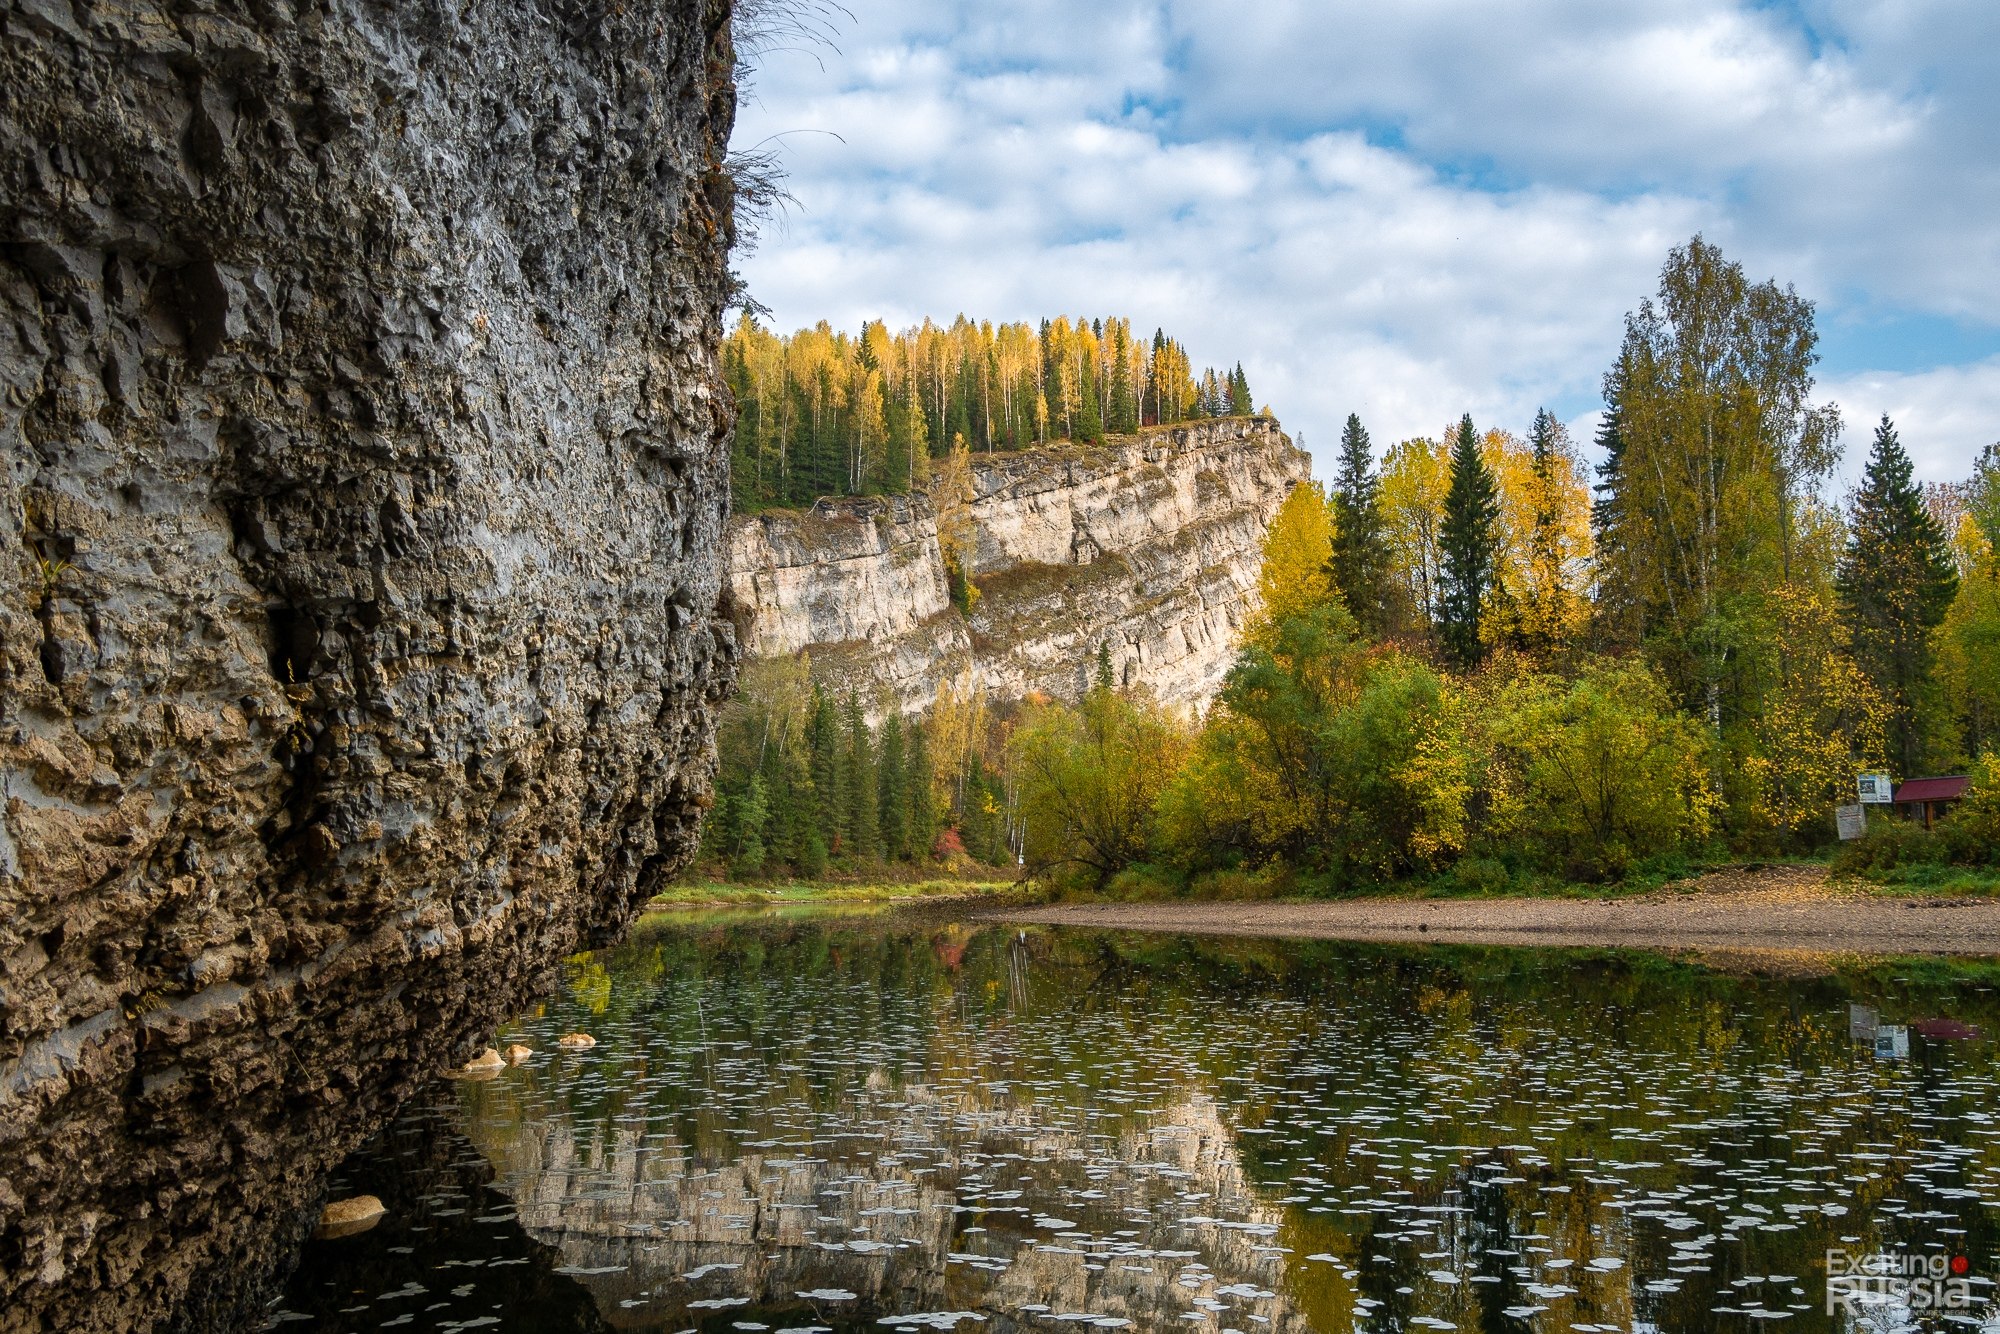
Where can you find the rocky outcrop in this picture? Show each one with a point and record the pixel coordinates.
(365, 482)
(1148, 544)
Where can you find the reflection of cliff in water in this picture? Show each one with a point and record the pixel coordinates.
(926, 1120)
(444, 1218)
(902, 1225)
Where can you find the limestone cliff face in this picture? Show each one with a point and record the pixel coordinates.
(1148, 544)
(364, 459)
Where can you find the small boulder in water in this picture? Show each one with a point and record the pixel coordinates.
(576, 1041)
(517, 1054)
(344, 1218)
(486, 1060)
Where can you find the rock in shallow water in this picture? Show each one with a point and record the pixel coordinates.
(344, 1218)
(366, 470)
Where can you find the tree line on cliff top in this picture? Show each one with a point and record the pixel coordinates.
(826, 413)
(1478, 659)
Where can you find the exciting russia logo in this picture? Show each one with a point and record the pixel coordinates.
(1868, 1287)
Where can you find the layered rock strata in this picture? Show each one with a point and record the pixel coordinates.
(1147, 545)
(365, 484)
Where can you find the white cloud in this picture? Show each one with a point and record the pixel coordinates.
(1943, 416)
(1406, 210)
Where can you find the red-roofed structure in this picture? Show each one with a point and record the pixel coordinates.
(1926, 797)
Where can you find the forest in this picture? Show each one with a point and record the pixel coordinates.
(1483, 661)
(822, 413)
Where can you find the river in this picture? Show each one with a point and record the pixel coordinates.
(887, 1121)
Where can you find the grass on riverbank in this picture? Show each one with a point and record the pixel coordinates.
(1475, 878)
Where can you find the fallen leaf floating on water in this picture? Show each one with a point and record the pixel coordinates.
(1163, 1151)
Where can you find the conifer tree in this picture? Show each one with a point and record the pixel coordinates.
(1105, 679)
(1895, 582)
(829, 771)
(1124, 411)
(1359, 566)
(1469, 542)
(1239, 393)
(892, 803)
(1607, 518)
(864, 824)
(1089, 424)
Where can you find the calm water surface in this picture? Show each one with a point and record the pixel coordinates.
(887, 1123)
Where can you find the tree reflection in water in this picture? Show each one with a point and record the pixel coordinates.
(840, 1123)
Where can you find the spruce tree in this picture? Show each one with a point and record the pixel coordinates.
(892, 804)
(1124, 412)
(1359, 566)
(1105, 679)
(1895, 582)
(1468, 539)
(1239, 392)
(1089, 424)
(829, 773)
(1607, 511)
(864, 826)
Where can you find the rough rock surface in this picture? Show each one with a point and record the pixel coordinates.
(365, 481)
(1149, 544)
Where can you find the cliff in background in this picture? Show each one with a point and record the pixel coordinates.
(1148, 544)
(365, 483)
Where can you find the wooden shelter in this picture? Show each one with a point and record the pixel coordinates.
(1925, 798)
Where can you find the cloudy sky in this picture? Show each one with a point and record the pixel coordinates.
(1413, 209)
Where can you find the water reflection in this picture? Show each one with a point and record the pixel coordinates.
(828, 1125)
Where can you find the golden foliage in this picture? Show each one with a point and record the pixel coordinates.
(1415, 476)
(1293, 577)
(1823, 722)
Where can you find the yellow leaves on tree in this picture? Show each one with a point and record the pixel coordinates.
(1968, 643)
(956, 726)
(1823, 722)
(1415, 476)
(1293, 578)
(951, 498)
(1543, 533)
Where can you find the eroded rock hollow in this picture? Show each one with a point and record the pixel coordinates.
(365, 458)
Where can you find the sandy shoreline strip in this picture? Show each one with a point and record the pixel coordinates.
(1788, 912)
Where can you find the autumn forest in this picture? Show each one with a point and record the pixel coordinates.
(1480, 658)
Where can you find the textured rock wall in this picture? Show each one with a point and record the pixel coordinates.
(364, 495)
(1149, 544)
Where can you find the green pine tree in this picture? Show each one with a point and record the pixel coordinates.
(750, 813)
(1106, 679)
(1359, 566)
(1089, 422)
(1895, 582)
(829, 774)
(1615, 610)
(864, 822)
(1471, 514)
(1239, 393)
(892, 802)
(1124, 408)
